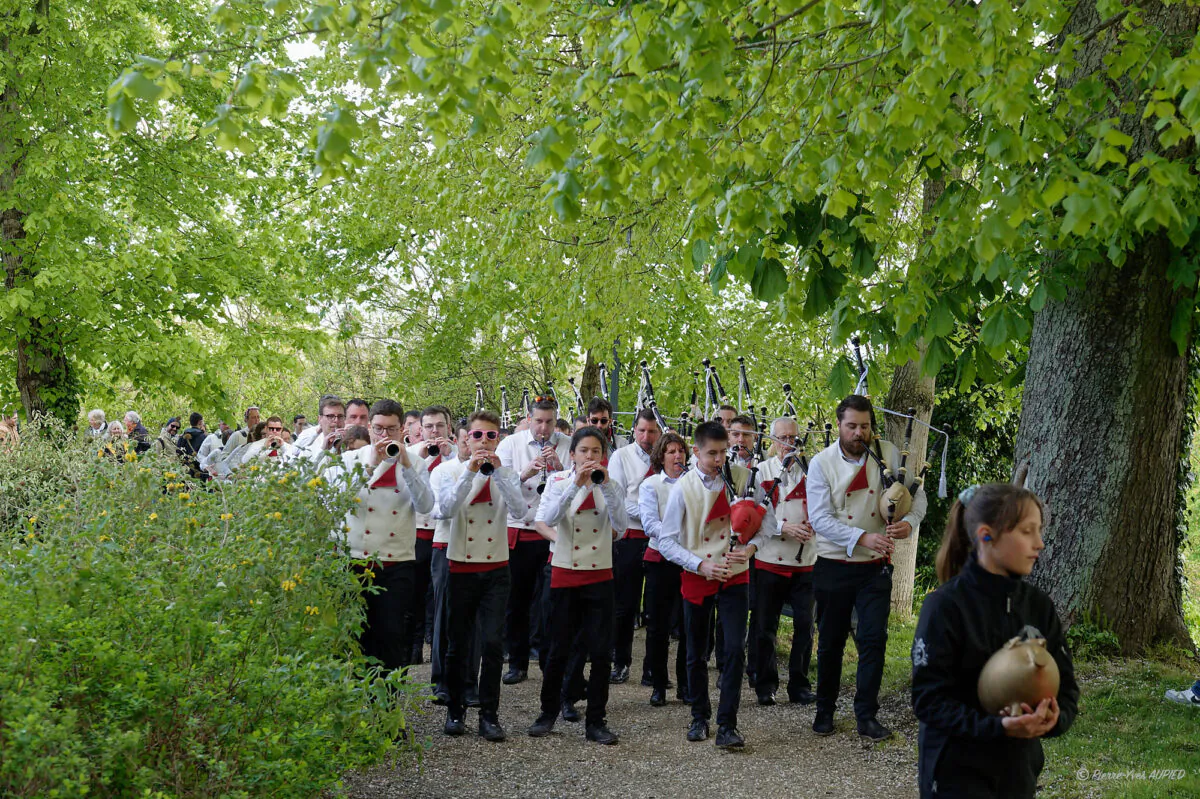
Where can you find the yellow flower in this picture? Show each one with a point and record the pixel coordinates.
(287, 585)
(283, 481)
(185, 495)
(226, 517)
(358, 499)
(130, 457)
(368, 573)
(153, 516)
(311, 610)
(169, 475)
(103, 513)
(316, 482)
(277, 515)
(33, 520)
(103, 538)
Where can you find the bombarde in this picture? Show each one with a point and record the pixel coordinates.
(505, 416)
(579, 406)
(478, 397)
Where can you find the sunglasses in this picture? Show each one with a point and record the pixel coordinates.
(479, 435)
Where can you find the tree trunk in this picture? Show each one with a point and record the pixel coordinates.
(1106, 404)
(910, 389)
(1101, 438)
(589, 381)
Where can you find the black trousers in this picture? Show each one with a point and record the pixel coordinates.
(477, 602)
(574, 686)
(417, 609)
(771, 592)
(386, 635)
(730, 606)
(662, 592)
(440, 575)
(582, 614)
(525, 563)
(841, 590)
(628, 576)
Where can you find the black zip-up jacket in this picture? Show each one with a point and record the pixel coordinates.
(964, 750)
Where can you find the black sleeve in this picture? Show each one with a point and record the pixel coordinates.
(934, 679)
(1068, 689)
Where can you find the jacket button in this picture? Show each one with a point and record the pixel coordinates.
(395, 512)
(778, 558)
(489, 521)
(576, 565)
(396, 491)
(391, 535)
(489, 540)
(706, 539)
(593, 547)
(708, 556)
(366, 532)
(593, 565)
(594, 530)
(370, 509)
(470, 521)
(722, 537)
(849, 517)
(468, 557)
(577, 546)
(470, 539)
(489, 557)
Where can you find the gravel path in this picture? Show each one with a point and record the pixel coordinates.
(782, 756)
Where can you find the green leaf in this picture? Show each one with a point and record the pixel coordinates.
(994, 333)
(824, 284)
(842, 378)
(769, 281)
(1181, 323)
(937, 355)
(699, 252)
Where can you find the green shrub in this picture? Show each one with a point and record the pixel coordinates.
(161, 638)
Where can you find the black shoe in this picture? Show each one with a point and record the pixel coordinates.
(647, 680)
(766, 700)
(658, 698)
(874, 730)
(619, 675)
(454, 727)
(490, 730)
(542, 727)
(598, 733)
(823, 724)
(752, 679)
(514, 676)
(533, 653)
(471, 700)
(441, 698)
(698, 731)
(569, 713)
(802, 697)
(729, 738)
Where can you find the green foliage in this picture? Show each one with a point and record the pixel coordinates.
(1063, 141)
(164, 639)
(1091, 639)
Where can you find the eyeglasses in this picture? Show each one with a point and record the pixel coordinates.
(787, 439)
(274, 429)
(544, 398)
(335, 416)
(389, 430)
(599, 421)
(479, 435)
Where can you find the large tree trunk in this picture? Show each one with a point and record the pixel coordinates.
(910, 389)
(589, 381)
(1105, 403)
(1101, 437)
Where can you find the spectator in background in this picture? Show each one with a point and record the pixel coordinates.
(166, 437)
(413, 434)
(354, 438)
(137, 432)
(190, 444)
(299, 423)
(97, 427)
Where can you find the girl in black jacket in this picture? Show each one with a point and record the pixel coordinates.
(992, 540)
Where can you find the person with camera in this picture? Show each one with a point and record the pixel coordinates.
(382, 531)
(331, 423)
(272, 445)
(581, 512)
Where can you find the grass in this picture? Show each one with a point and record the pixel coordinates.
(1125, 731)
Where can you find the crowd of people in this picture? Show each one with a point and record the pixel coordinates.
(547, 541)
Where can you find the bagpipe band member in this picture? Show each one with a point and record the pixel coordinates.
(992, 541)
(853, 571)
(629, 466)
(698, 534)
(533, 453)
(382, 531)
(444, 476)
(581, 511)
(476, 504)
(431, 453)
(784, 566)
(669, 461)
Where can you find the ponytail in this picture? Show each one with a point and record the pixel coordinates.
(956, 544)
(998, 505)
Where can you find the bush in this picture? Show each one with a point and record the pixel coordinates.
(162, 638)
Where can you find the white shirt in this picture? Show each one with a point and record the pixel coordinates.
(208, 448)
(453, 495)
(648, 507)
(616, 471)
(306, 438)
(669, 545)
(516, 453)
(825, 523)
(561, 492)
